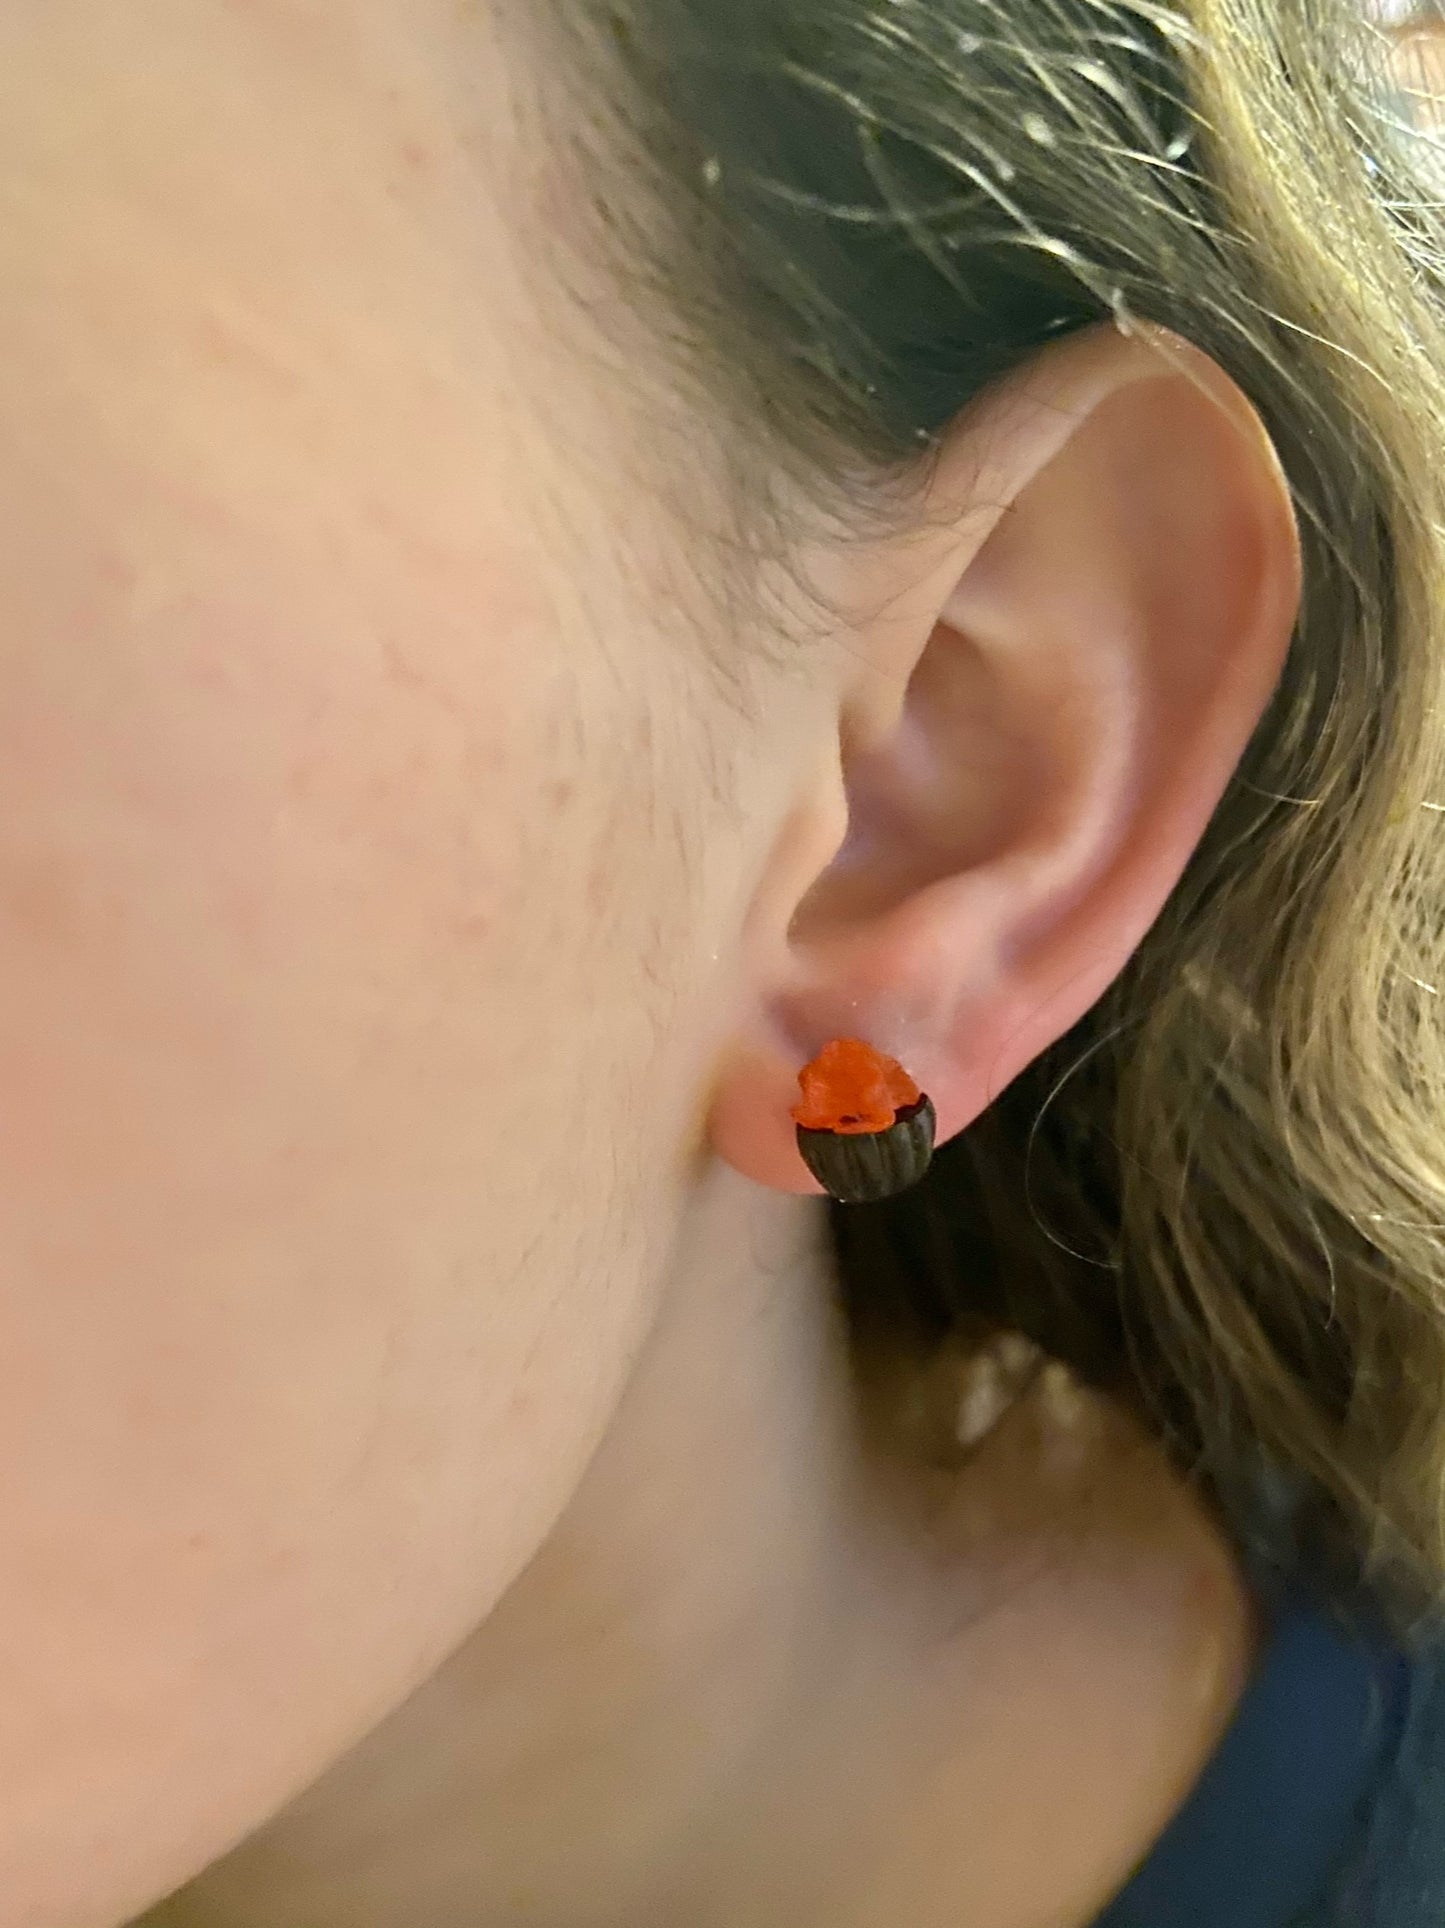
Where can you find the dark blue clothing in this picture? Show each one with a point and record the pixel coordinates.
(1397, 1876)
(1324, 1805)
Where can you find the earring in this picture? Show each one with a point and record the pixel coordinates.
(865, 1130)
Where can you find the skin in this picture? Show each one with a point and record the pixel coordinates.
(433, 1486)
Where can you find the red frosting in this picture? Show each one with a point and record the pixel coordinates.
(849, 1087)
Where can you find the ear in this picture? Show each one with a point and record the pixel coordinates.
(1047, 680)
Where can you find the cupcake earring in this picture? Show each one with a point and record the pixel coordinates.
(865, 1130)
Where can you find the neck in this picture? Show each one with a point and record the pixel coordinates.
(664, 1718)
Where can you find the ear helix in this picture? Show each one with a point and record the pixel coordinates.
(865, 1130)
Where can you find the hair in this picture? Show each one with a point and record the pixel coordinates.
(1221, 1196)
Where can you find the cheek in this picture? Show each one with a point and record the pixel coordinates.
(326, 1221)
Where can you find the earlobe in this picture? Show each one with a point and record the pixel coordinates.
(1051, 711)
